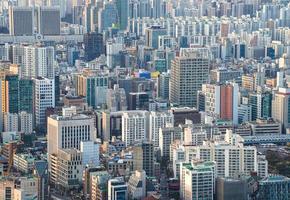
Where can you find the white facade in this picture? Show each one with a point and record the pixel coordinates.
(44, 97)
(11, 122)
(68, 132)
(26, 122)
(37, 61)
(134, 126)
(197, 181)
(158, 120)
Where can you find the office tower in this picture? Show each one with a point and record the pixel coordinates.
(117, 189)
(116, 99)
(261, 105)
(41, 173)
(188, 72)
(231, 188)
(274, 187)
(167, 136)
(197, 180)
(21, 21)
(138, 101)
(94, 45)
(25, 102)
(134, 126)
(163, 85)
(222, 100)
(108, 17)
(143, 157)
(152, 35)
(10, 122)
(94, 87)
(91, 153)
(56, 90)
(48, 20)
(43, 99)
(158, 120)
(58, 125)
(26, 122)
(123, 13)
(10, 93)
(60, 4)
(281, 109)
(137, 185)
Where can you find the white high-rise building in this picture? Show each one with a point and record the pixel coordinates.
(10, 122)
(26, 122)
(159, 120)
(134, 126)
(197, 180)
(230, 155)
(68, 132)
(65, 135)
(38, 61)
(44, 97)
(188, 72)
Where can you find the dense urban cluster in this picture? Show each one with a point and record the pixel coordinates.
(145, 99)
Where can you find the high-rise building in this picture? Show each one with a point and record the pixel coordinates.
(158, 120)
(188, 72)
(48, 20)
(10, 93)
(143, 157)
(94, 45)
(26, 122)
(274, 187)
(25, 102)
(43, 99)
(281, 108)
(163, 85)
(61, 132)
(197, 180)
(116, 99)
(21, 21)
(167, 136)
(123, 13)
(10, 122)
(117, 189)
(261, 105)
(108, 17)
(65, 150)
(222, 100)
(134, 126)
(34, 60)
(152, 35)
(93, 87)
